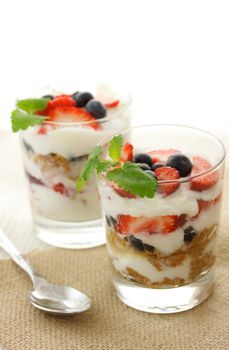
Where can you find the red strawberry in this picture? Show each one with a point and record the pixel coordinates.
(60, 188)
(218, 199)
(45, 128)
(204, 182)
(58, 101)
(112, 104)
(164, 174)
(182, 219)
(72, 115)
(42, 130)
(120, 191)
(164, 224)
(127, 153)
(203, 205)
(161, 155)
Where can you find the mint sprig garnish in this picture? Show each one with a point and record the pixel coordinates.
(24, 116)
(88, 168)
(128, 176)
(32, 105)
(21, 120)
(133, 179)
(115, 148)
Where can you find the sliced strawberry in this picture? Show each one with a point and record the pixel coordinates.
(127, 153)
(182, 219)
(120, 191)
(58, 101)
(164, 174)
(161, 155)
(204, 182)
(60, 188)
(203, 205)
(159, 224)
(112, 104)
(45, 128)
(61, 101)
(72, 115)
(218, 199)
(42, 130)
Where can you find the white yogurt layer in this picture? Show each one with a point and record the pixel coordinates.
(165, 243)
(182, 201)
(65, 141)
(55, 206)
(143, 267)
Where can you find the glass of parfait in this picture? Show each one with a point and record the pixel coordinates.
(57, 133)
(161, 190)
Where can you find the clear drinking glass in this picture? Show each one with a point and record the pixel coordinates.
(54, 156)
(163, 272)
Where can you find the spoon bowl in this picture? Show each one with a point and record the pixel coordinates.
(58, 299)
(51, 298)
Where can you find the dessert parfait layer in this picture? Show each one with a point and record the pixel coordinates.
(56, 145)
(166, 239)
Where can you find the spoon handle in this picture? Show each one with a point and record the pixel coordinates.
(12, 251)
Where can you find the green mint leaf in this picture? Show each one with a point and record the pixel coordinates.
(32, 105)
(21, 120)
(88, 169)
(115, 147)
(104, 165)
(133, 179)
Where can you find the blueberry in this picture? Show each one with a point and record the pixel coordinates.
(151, 173)
(148, 248)
(144, 166)
(82, 98)
(51, 97)
(142, 158)
(96, 108)
(181, 163)
(78, 159)
(136, 243)
(189, 234)
(111, 222)
(28, 147)
(157, 165)
(107, 218)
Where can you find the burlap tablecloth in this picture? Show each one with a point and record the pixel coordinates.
(109, 324)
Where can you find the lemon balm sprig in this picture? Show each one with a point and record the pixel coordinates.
(127, 175)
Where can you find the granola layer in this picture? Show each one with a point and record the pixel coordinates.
(198, 253)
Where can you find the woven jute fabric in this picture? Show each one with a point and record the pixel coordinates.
(109, 324)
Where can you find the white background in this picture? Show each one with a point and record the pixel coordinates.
(172, 56)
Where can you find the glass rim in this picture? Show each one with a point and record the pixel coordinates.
(115, 115)
(184, 179)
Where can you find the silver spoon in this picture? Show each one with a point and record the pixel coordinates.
(44, 295)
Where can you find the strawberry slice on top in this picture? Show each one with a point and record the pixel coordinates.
(162, 155)
(204, 182)
(159, 224)
(127, 153)
(66, 114)
(112, 104)
(164, 174)
(58, 101)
